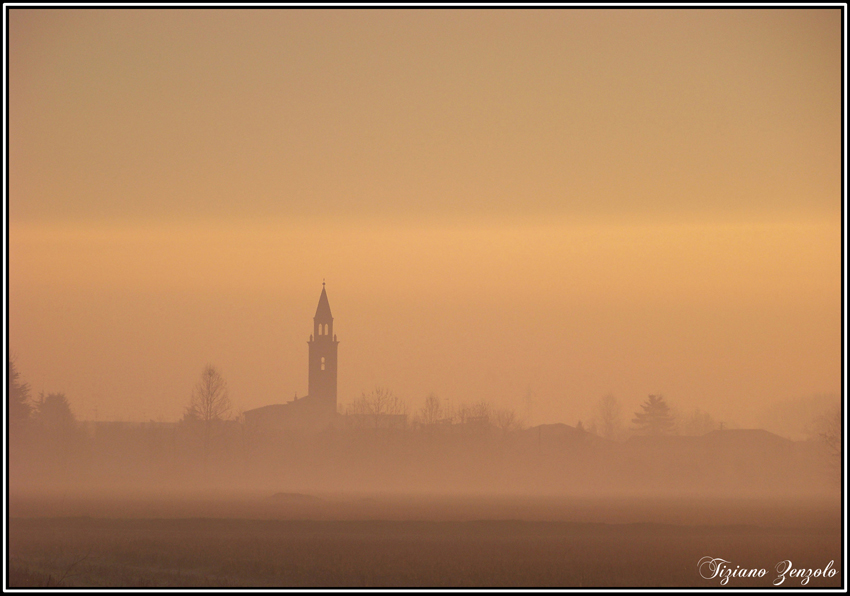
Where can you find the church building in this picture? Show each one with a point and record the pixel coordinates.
(317, 410)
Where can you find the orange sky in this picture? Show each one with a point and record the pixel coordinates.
(567, 202)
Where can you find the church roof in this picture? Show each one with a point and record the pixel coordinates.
(323, 311)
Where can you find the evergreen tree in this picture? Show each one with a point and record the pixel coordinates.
(19, 394)
(53, 413)
(655, 419)
(57, 439)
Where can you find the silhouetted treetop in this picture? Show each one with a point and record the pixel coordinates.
(19, 394)
(432, 411)
(210, 400)
(53, 412)
(655, 417)
(608, 412)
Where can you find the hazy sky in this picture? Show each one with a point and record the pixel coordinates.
(562, 202)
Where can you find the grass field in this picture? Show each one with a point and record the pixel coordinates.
(418, 542)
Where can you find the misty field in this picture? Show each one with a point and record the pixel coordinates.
(419, 541)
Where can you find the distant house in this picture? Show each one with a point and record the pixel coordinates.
(318, 409)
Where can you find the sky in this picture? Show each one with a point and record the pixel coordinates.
(556, 203)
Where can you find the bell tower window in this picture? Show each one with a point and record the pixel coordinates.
(323, 363)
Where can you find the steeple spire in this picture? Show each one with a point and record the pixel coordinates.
(323, 311)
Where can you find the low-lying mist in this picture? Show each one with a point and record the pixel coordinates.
(547, 459)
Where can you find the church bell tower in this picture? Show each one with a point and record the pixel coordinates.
(321, 378)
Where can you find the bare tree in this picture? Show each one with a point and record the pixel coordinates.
(699, 423)
(377, 406)
(478, 411)
(460, 414)
(507, 420)
(209, 405)
(477, 415)
(829, 431)
(610, 422)
(432, 411)
(481, 410)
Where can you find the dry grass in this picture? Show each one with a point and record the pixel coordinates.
(203, 552)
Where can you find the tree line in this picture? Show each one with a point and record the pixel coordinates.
(209, 406)
(212, 442)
